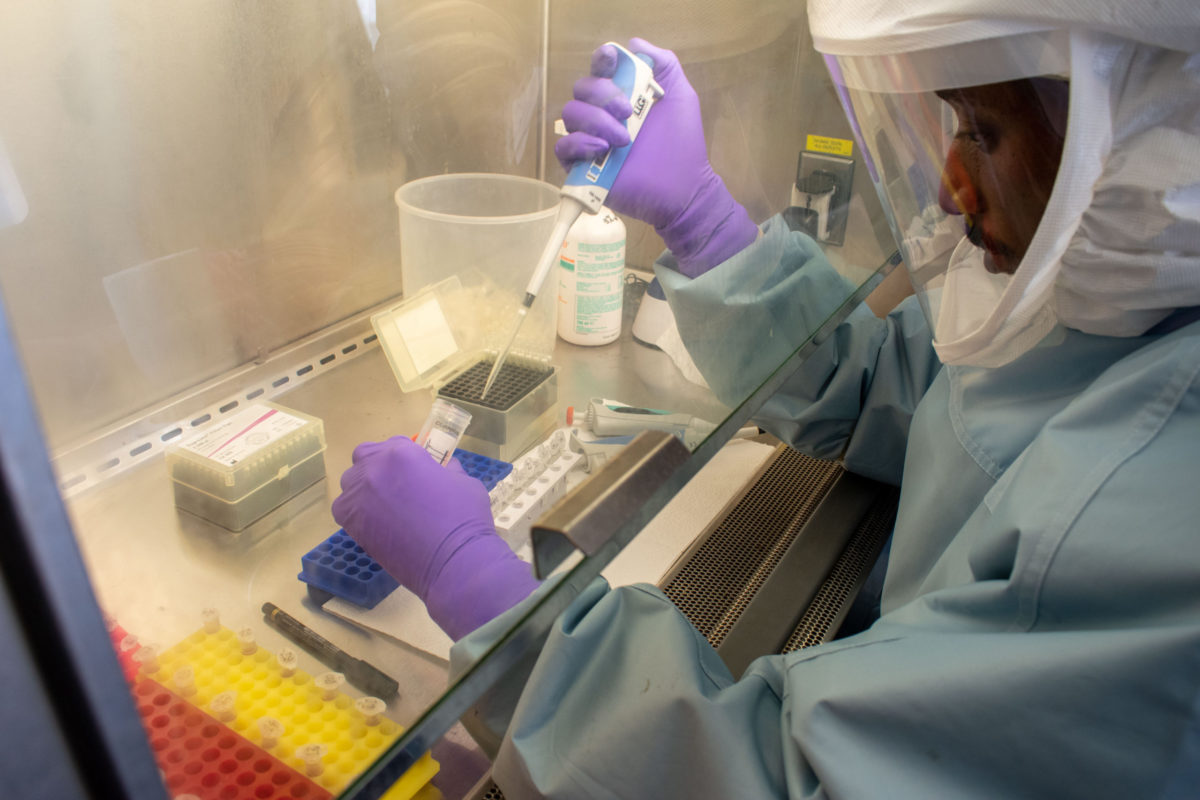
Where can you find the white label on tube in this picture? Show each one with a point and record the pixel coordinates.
(441, 445)
(241, 435)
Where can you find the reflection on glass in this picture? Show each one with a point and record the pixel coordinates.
(203, 242)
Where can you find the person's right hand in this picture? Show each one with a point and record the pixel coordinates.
(667, 180)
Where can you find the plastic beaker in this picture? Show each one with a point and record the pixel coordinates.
(488, 229)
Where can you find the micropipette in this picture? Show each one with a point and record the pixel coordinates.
(588, 182)
(606, 417)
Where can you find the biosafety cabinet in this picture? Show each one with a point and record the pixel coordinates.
(206, 296)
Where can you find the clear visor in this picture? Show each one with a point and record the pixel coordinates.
(963, 145)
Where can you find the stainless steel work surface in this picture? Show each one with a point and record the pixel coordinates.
(155, 568)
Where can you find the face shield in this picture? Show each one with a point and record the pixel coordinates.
(964, 144)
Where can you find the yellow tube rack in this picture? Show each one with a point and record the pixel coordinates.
(242, 684)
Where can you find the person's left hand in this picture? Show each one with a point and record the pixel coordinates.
(431, 528)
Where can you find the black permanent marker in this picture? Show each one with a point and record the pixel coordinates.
(358, 672)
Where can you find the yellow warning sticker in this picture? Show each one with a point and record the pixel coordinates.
(828, 144)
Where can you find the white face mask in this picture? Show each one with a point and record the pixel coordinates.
(974, 322)
(1117, 247)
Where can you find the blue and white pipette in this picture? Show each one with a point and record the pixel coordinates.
(611, 424)
(588, 182)
(606, 417)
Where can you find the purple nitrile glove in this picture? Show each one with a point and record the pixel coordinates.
(666, 180)
(431, 528)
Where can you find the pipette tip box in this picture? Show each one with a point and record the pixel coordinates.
(519, 408)
(444, 338)
(237, 469)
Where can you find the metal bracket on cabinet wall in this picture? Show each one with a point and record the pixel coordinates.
(589, 515)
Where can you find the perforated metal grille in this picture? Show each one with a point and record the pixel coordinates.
(848, 572)
(489, 792)
(514, 382)
(723, 574)
(721, 577)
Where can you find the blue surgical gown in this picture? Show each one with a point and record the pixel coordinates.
(1040, 634)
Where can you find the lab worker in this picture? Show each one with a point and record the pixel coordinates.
(1037, 399)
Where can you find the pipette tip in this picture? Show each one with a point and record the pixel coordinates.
(503, 354)
(491, 379)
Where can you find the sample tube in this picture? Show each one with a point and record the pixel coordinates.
(212, 620)
(185, 681)
(371, 708)
(311, 755)
(329, 683)
(246, 641)
(288, 661)
(147, 658)
(269, 729)
(223, 706)
(442, 430)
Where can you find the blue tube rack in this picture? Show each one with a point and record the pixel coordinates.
(340, 567)
(489, 470)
